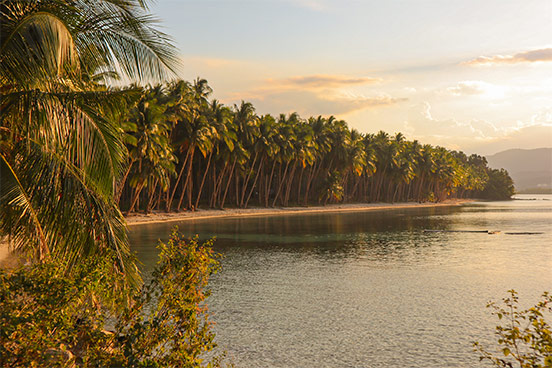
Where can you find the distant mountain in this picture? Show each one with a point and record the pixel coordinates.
(529, 168)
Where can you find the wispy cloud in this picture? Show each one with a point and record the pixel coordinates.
(467, 88)
(324, 94)
(315, 5)
(477, 88)
(319, 81)
(532, 56)
(478, 135)
(307, 102)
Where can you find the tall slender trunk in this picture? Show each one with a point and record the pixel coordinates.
(309, 182)
(396, 191)
(380, 185)
(151, 196)
(214, 184)
(228, 184)
(289, 182)
(170, 199)
(135, 196)
(355, 187)
(280, 184)
(159, 198)
(246, 182)
(203, 180)
(299, 185)
(218, 185)
(269, 184)
(255, 181)
(420, 186)
(237, 187)
(187, 181)
(121, 185)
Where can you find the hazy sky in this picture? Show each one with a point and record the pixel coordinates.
(470, 75)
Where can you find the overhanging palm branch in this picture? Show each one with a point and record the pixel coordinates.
(61, 151)
(57, 179)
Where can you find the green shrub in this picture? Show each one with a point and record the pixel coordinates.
(51, 320)
(525, 337)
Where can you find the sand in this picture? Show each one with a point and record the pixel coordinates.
(161, 217)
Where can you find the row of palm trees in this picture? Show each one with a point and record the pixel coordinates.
(187, 151)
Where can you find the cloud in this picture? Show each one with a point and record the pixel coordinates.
(533, 56)
(467, 88)
(478, 135)
(308, 103)
(320, 94)
(315, 5)
(319, 81)
(477, 88)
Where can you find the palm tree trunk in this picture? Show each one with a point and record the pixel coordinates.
(135, 196)
(246, 182)
(159, 198)
(255, 181)
(280, 185)
(289, 182)
(355, 187)
(269, 184)
(309, 182)
(170, 199)
(420, 185)
(228, 184)
(395, 194)
(151, 196)
(299, 185)
(121, 185)
(203, 180)
(218, 185)
(187, 182)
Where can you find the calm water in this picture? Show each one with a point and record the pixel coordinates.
(368, 289)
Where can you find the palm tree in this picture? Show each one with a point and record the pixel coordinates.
(321, 146)
(60, 153)
(152, 151)
(192, 131)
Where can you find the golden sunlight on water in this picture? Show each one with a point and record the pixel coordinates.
(369, 289)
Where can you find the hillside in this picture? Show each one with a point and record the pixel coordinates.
(531, 169)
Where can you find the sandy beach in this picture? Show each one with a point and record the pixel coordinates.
(160, 217)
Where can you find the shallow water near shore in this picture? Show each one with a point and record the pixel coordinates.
(368, 289)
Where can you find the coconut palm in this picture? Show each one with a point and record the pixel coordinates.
(192, 131)
(60, 153)
(151, 156)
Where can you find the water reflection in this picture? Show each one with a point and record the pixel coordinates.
(367, 289)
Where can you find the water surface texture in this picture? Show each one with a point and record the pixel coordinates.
(368, 289)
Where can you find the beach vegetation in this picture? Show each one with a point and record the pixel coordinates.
(524, 336)
(51, 320)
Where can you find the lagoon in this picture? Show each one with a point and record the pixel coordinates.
(368, 289)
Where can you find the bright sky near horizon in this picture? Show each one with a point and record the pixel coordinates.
(474, 75)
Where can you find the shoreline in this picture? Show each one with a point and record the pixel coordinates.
(7, 259)
(163, 217)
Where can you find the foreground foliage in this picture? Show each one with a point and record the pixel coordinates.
(50, 320)
(525, 338)
(61, 143)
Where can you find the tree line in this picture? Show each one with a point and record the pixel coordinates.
(187, 151)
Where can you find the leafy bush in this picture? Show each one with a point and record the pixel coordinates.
(51, 320)
(525, 339)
